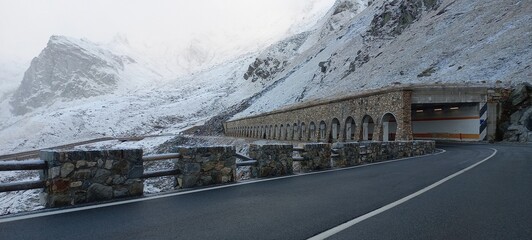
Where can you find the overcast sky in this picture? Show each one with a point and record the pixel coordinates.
(26, 25)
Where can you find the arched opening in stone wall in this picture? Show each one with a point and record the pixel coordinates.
(295, 131)
(312, 131)
(389, 127)
(275, 132)
(335, 129)
(303, 132)
(282, 132)
(367, 128)
(349, 129)
(270, 132)
(287, 132)
(323, 131)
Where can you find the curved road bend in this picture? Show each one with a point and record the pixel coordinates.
(491, 200)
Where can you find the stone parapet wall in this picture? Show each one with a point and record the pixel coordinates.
(317, 156)
(272, 160)
(75, 177)
(423, 147)
(202, 166)
(348, 154)
(354, 153)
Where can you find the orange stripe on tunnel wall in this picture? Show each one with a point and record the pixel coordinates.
(447, 135)
(444, 119)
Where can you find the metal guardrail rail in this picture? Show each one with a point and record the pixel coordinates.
(22, 165)
(160, 157)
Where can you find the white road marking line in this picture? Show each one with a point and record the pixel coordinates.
(76, 209)
(352, 222)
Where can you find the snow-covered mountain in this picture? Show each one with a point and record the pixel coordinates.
(405, 42)
(69, 69)
(357, 45)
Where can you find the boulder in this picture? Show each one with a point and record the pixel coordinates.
(521, 93)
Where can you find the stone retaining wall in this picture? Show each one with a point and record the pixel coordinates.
(75, 177)
(317, 156)
(272, 160)
(202, 166)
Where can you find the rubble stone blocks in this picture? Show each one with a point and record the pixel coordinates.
(349, 154)
(423, 147)
(354, 153)
(272, 160)
(202, 166)
(75, 177)
(317, 156)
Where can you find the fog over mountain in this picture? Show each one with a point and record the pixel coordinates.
(176, 37)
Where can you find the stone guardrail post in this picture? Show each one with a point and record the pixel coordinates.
(317, 156)
(349, 154)
(272, 160)
(388, 151)
(421, 147)
(404, 149)
(369, 151)
(75, 177)
(202, 166)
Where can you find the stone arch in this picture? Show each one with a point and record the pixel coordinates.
(281, 132)
(388, 127)
(322, 131)
(312, 131)
(349, 133)
(335, 129)
(303, 132)
(295, 130)
(275, 132)
(368, 127)
(270, 132)
(287, 131)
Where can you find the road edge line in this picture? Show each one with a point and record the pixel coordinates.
(350, 223)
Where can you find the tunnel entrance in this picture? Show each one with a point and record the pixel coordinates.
(448, 121)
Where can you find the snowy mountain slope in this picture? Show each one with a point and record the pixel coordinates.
(69, 69)
(410, 42)
(167, 108)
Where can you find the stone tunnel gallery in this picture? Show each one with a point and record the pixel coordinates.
(462, 113)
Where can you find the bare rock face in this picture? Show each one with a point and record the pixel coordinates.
(67, 69)
(519, 126)
(274, 59)
(397, 15)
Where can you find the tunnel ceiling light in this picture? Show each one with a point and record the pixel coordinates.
(419, 110)
(437, 109)
(454, 108)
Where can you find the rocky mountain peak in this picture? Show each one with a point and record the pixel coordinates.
(67, 69)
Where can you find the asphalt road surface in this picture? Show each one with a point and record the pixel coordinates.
(490, 201)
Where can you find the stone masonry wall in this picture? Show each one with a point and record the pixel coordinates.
(272, 160)
(317, 156)
(355, 153)
(280, 124)
(75, 177)
(202, 166)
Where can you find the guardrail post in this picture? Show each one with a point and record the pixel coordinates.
(421, 147)
(272, 160)
(203, 166)
(75, 177)
(317, 156)
(349, 154)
